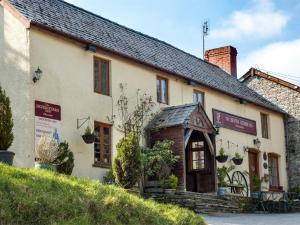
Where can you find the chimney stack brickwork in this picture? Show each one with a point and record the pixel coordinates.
(224, 57)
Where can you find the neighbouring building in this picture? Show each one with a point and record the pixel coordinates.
(287, 96)
(83, 58)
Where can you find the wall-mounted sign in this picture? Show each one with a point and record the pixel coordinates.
(47, 121)
(233, 122)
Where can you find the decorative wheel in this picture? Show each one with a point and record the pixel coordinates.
(228, 181)
(240, 184)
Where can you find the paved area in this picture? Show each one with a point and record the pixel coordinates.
(253, 219)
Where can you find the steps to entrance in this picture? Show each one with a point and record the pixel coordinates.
(202, 202)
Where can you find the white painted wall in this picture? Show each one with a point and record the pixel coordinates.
(15, 79)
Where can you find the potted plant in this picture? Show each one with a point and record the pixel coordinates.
(169, 184)
(237, 159)
(222, 157)
(6, 126)
(221, 175)
(46, 152)
(88, 136)
(257, 185)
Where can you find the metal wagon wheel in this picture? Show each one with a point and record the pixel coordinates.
(237, 179)
(228, 181)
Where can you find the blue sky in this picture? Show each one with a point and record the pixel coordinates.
(266, 33)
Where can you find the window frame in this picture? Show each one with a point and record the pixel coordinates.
(99, 91)
(203, 97)
(190, 158)
(275, 157)
(265, 133)
(101, 163)
(159, 98)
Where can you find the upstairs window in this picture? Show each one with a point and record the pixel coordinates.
(101, 76)
(162, 90)
(102, 145)
(265, 125)
(198, 97)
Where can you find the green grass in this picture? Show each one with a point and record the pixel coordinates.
(35, 197)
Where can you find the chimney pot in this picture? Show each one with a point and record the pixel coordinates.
(224, 57)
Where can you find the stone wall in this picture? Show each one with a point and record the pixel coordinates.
(289, 100)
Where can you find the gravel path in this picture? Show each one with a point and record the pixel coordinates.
(253, 219)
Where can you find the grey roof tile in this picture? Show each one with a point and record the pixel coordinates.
(77, 22)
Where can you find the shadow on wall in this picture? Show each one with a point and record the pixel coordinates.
(15, 80)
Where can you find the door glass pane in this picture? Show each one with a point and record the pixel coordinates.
(198, 144)
(97, 143)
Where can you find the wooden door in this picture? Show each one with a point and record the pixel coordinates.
(273, 172)
(253, 165)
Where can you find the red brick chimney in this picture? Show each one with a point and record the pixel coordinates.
(224, 57)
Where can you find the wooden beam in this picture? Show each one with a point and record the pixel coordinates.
(210, 144)
(187, 137)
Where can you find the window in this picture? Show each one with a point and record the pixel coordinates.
(273, 171)
(198, 96)
(162, 90)
(197, 160)
(101, 76)
(102, 144)
(264, 125)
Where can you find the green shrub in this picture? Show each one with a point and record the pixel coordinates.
(35, 197)
(6, 122)
(159, 160)
(109, 178)
(65, 160)
(127, 164)
(169, 183)
(222, 173)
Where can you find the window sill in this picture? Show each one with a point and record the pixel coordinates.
(99, 93)
(101, 165)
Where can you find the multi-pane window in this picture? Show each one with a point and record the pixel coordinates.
(102, 144)
(198, 97)
(264, 125)
(162, 90)
(273, 171)
(101, 76)
(197, 156)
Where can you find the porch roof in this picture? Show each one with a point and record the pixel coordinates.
(177, 116)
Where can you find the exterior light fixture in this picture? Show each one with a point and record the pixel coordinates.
(257, 143)
(37, 75)
(191, 83)
(242, 101)
(91, 48)
(217, 127)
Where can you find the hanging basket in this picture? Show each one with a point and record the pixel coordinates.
(88, 138)
(237, 161)
(222, 158)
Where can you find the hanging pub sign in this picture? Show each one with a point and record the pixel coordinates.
(233, 122)
(47, 121)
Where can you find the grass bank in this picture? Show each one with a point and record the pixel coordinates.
(34, 197)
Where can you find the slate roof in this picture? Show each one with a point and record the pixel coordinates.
(79, 23)
(173, 116)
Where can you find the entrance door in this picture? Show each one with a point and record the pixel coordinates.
(253, 165)
(200, 171)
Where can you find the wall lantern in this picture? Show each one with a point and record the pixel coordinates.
(37, 75)
(191, 83)
(257, 143)
(91, 48)
(217, 128)
(242, 101)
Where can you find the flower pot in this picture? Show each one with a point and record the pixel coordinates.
(170, 191)
(6, 157)
(44, 166)
(238, 189)
(222, 158)
(255, 195)
(237, 161)
(88, 138)
(222, 191)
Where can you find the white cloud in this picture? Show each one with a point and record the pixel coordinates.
(260, 21)
(280, 57)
